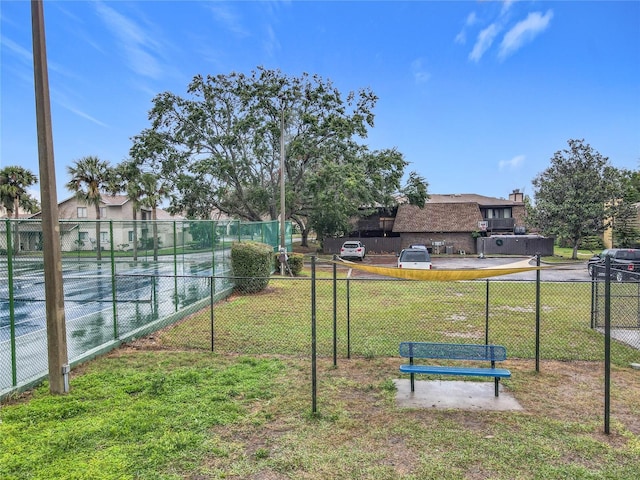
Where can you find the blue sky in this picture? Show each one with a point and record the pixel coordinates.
(478, 96)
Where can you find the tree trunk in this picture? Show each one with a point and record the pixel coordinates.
(574, 256)
(304, 230)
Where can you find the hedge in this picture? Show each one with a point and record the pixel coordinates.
(251, 265)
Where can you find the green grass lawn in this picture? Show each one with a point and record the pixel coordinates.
(383, 313)
(564, 254)
(165, 407)
(163, 414)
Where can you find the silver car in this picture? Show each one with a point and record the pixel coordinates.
(353, 249)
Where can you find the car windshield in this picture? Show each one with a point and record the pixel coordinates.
(629, 255)
(414, 256)
(350, 245)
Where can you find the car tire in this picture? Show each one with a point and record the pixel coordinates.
(619, 277)
(590, 270)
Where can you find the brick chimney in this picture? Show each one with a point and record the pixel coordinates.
(516, 196)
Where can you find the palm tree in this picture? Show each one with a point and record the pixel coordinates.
(89, 177)
(127, 179)
(14, 182)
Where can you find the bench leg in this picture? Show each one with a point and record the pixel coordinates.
(412, 384)
(497, 381)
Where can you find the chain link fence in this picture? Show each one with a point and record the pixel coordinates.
(624, 304)
(370, 317)
(131, 286)
(363, 317)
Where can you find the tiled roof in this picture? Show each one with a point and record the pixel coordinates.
(438, 217)
(114, 199)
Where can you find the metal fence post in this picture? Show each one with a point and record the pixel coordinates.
(538, 313)
(335, 313)
(348, 317)
(211, 290)
(594, 293)
(12, 315)
(486, 315)
(607, 343)
(175, 249)
(313, 336)
(114, 296)
(213, 251)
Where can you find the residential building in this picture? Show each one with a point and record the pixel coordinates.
(78, 232)
(451, 223)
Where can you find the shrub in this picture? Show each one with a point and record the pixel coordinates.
(251, 264)
(295, 261)
(592, 243)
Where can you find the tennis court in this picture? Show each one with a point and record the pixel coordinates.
(100, 308)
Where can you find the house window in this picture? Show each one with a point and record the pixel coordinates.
(131, 235)
(496, 213)
(83, 236)
(104, 237)
(82, 212)
(103, 212)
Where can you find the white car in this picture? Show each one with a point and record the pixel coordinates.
(353, 249)
(416, 258)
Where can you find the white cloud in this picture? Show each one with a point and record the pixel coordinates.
(483, 42)
(512, 164)
(84, 115)
(230, 20)
(22, 53)
(524, 32)
(420, 74)
(271, 43)
(506, 5)
(471, 20)
(139, 47)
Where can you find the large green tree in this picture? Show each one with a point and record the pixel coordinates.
(14, 195)
(575, 196)
(223, 144)
(90, 177)
(624, 222)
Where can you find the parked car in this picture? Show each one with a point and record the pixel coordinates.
(353, 249)
(625, 263)
(417, 258)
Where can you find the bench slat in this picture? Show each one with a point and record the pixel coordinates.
(451, 351)
(445, 370)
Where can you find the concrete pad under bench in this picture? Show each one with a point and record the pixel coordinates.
(460, 395)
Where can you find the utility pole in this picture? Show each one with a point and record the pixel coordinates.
(282, 191)
(54, 294)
